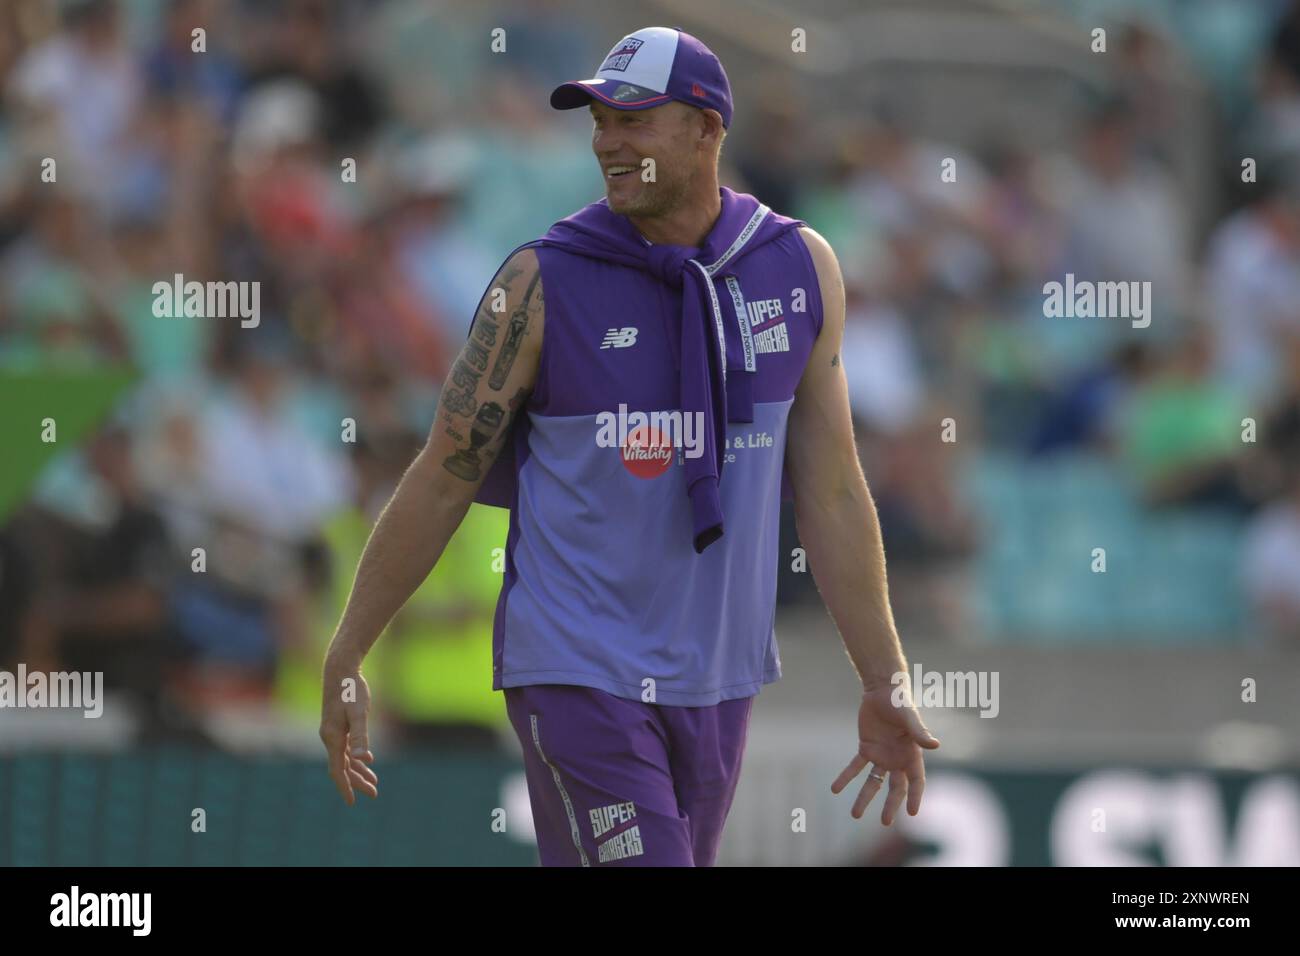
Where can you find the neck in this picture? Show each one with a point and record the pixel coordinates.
(689, 223)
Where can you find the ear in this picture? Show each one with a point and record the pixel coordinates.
(712, 127)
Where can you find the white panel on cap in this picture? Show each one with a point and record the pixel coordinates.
(650, 65)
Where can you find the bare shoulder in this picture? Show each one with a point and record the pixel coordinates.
(518, 281)
(515, 303)
(829, 281)
(823, 256)
(525, 261)
(491, 379)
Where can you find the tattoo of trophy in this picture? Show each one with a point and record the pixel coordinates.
(465, 463)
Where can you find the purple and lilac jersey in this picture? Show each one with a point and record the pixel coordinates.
(603, 587)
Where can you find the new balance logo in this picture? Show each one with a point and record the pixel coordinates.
(619, 338)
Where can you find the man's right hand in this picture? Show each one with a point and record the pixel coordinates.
(345, 706)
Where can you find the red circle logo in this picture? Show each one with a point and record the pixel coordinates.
(647, 453)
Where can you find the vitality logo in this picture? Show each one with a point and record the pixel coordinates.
(648, 441)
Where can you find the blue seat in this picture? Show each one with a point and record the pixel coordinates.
(1171, 577)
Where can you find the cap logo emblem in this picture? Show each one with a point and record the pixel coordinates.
(621, 55)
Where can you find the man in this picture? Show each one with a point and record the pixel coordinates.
(650, 339)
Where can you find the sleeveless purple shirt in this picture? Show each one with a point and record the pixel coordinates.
(604, 586)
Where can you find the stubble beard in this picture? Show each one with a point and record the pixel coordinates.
(657, 199)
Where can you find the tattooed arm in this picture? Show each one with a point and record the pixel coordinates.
(486, 387)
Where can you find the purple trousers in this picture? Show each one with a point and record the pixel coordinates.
(614, 781)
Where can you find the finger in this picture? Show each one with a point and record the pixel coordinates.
(867, 753)
(897, 791)
(338, 762)
(339, 770)
(919, 732)
(358, 737)
(848, 773)
(365, 756)
(362, 784)
(866, 795)
(359, 768)
(915, 787)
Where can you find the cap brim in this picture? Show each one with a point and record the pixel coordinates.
(621, 96)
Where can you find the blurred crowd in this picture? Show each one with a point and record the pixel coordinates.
(370, 167)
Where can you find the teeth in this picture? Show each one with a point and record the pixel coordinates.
(615, 170)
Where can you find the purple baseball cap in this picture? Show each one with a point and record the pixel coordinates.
(647, 69)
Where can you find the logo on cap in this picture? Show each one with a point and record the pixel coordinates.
(697, 90)
(626, 92)
(622, 55)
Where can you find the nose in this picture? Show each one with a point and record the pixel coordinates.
(606, 141)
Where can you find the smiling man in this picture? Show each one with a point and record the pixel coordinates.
(635, 622)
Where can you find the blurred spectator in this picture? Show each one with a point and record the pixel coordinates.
(778, 158)
(880, 362)
(1182, 432)
(175, 349)
(1271, 563)
(54, 307)
(1277, 447)
(1276, 125)
(1083, 414)
(309, 40)
(172, 69)
(1285, 48)
(258, 465)
(1253, 282)
(445, 260)
(929, 532)
(1122, 214)
(383, 304)
(246, 484)
(1146, 80)
(1020, 223)
(78, 92)
(100, 599)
